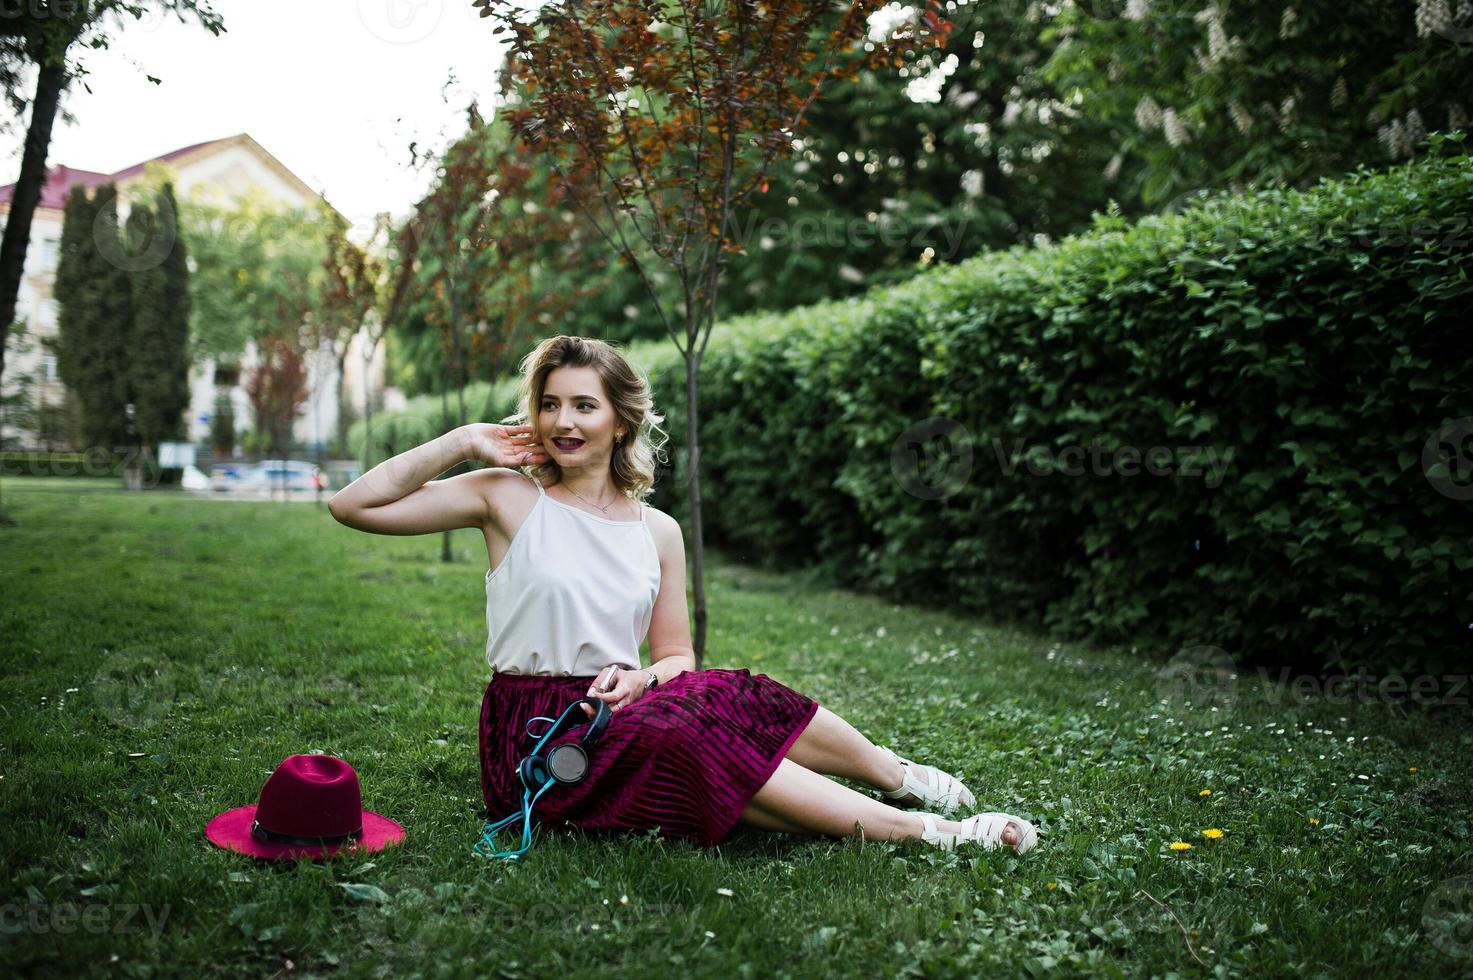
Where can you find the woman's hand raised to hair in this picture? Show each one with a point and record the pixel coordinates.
(502, 445)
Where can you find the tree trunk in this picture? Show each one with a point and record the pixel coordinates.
(49, 83)
(341, 441)
(693, 479)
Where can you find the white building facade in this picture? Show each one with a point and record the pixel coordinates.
(224, 169)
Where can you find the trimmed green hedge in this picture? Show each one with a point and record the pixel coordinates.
(1301, 348)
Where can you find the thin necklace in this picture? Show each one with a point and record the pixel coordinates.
(587, 501)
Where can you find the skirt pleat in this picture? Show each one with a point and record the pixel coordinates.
(685, 758)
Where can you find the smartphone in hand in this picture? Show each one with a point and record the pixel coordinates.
(603, 682)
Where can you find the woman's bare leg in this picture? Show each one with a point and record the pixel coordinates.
(800, 801)
(833, 747)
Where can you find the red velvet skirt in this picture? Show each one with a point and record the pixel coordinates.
(684, 758)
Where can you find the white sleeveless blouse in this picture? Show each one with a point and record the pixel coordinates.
(574, 593)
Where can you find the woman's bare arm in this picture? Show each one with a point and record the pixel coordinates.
(401, 496)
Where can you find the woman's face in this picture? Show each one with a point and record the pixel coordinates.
(575, 407)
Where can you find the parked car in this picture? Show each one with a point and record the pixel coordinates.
(226, 476)
(283, 474)
(193, 479)
(341, 472)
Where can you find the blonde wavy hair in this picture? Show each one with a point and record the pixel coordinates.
(632, 466)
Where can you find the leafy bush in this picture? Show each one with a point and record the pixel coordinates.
(1300, 349)
(1298, 356)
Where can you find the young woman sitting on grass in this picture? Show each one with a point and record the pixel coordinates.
(582, 571)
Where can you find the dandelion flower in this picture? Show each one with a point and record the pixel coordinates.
(1205, 792)
(1212, 833)
(1180, 845)
(1411, 768)
(1314, 821)
(1052, 885)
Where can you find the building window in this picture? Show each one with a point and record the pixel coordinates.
(48, 367)
(227, 376)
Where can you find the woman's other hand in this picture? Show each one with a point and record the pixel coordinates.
(502, 445)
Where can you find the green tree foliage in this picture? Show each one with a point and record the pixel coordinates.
(222, 425)
(96, 318)
(1243, 426)
(963, 150)
(73, 264)
(1211, 95)
(492, 255)
(257, 266)
(158, 356)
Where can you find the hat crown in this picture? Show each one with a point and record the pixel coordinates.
(311, 796)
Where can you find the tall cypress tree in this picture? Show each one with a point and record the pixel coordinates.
(158, 353)
(106, 296)
(72, 265)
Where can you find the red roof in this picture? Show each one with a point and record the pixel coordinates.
(60, 179)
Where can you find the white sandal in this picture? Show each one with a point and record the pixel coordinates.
(938, 789)
(984, 828)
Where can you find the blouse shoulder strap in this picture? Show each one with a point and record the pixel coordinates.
(535, 482)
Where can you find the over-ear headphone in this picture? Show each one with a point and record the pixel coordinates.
(566, 763)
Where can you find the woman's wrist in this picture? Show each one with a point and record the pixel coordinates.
(667, 668)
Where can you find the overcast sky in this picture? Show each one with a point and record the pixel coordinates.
(334, 89)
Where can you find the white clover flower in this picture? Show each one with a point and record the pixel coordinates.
(1137, 10)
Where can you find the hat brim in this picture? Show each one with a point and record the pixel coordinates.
(232, 831)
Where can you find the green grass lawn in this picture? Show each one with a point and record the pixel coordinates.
(163, 654)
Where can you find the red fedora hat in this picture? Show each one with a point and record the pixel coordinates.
(311, 806)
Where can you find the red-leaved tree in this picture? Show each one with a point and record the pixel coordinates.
(677, 109)
(277, 389)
